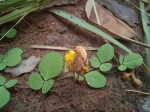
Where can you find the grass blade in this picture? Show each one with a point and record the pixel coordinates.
(146, 29)
(89, 27)
(16, 14)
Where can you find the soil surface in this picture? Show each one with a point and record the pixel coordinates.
(69, 95)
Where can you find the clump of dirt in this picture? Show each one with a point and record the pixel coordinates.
(68, 95)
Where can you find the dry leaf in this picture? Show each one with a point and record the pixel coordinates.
(78, 63)
(81, 52)
(108, 22)
(121, 11)
(24, 67)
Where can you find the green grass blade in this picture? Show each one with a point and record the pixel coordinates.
(146, 28)
(6, 5)
(16, 14)
(89, 27)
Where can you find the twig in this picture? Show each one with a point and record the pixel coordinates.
(137, 7)
(60, 48)
(28, 24)
(65, 77)
(95, 10)
(134, 91)
(134, 41)
(23, 87)
(3, 45)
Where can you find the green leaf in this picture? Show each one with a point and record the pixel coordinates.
(51, 65)
(95, 79)
(80, 78)
(12, 33)
(4, 96)
(2, 80)
(133, 60)
(89, 27)
(1, 57)
(122, 67)
(35, 81)
(12, 57)
(2, 66)
(105, 67)
(11, 83)
(47, 86)
(121, 59)
(95, 62)
(105, 53)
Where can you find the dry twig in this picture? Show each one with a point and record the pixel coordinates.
(135, 91)
(60, 48)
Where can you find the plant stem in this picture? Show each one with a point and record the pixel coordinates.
(65, 77)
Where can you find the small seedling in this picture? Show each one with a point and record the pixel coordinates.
(50, 67)
(105, 53)
(4, 93)
(136, 81)
(11, 34)
(11, 58)
(131, 61)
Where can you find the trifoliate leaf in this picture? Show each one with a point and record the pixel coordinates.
(12, 57)
(2, 80)
(95, 79)
(4, 96)
(47, 86)
(10, 83)
(133, 60)
(105, 67)
(95, 62)
(51, 65)
(35, 81)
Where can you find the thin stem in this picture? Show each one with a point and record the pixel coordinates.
(28, 24)
(65, 77)
(12, 27)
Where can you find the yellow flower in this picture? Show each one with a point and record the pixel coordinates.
(69, 59)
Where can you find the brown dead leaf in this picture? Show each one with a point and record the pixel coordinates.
(81, 52)
(108, 22)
